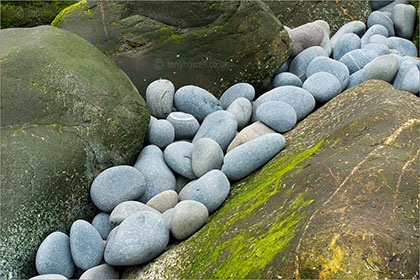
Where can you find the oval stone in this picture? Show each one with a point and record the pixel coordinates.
(188, 217)
(249, 133)
(299, 64)
(185, 125)
(160, 98)
(159, 177)
(241, 109)
(404, 46)
(356, 27)
(54, 256)
(379, 18)
(404, 18)
(115, 185)
(161, 133)
(236, 91)
(196, 101)
(206, 155)
(178, 157)
(357, 78)
(167, 217)
(137, 240)
(357, 59)
(126, 209)
(87, 248)
(305, 36)
(220, 126)
(325, 64)
(101, 223)
(381, 49)
(210, 189)
(49, 277)
(408, 77)
(103, 271)
(374, 29)
(384, 68)
(248, 157)
(323, 86)
(278, 115)
(286, 79)
(163, 201)
(345, 44)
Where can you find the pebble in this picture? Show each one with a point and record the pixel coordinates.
(54, 256)
(323, 86)
(163, 201)
(160, 98)
(300, 99)
(249, 133)
(167, 217)
(305, 36)
(211, 189)
(300, 62)
(377, 4)
(355, 26)
(248, 157)
(241, 109)
(101, 223)
(378, 39)
(206, 155)
(178, 157)
(183, 193)
(380, 49)
(161, 133)
(196, 101)
(103, 271)
(220, 126)
(345, 44)
(185, 125)
(137, 240)
(181, 181)
(188, 217)
(379, 18)
(284, 67)
(49, 277)
(278, 115)
(382, 68)
(325, 64)
(408, 77)
(126, 209)
(388, 8)
(357, 78)
(374, 29)
(236, 91)
(286, 79)
(357, 59)
(404, 46)
(115, 185)
(325, 43)
(159, 177)
(87, 248)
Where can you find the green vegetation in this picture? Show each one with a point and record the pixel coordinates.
(30, 13)
(78, 6)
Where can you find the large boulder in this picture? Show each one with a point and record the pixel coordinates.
(211, 44)
(67, 113)
(30, 13)
(335, 12)
(339, 202)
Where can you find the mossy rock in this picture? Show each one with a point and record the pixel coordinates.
(30, 13)
(211, 44)
(339, 202)
(336, 13)
(67, 113)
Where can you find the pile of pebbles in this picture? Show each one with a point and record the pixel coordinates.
(197, 145)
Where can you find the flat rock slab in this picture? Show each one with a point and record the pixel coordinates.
(343, 192)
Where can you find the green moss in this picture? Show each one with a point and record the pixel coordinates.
(78, 6)
(248, 252)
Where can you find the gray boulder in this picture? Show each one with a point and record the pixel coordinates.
(54, 256)
(103, 271)
(126, 209)
(323, 86)
(325, 43)
(383, 67)
(345, 44)
(248, 157)
(101, 224)
(163, 201)
(241, 109)
(404, 46)
(159, 177)
(408, 77)
(325, 64)
(206, 155)
(404, 18)
(185, 125)
(178, 157)
(86, 246)
(277, 115)
(115, 185)
(160, 98)
(137, 240)
(161, 133)
(249, 133)
(220, 126)
(188, 217)
(357, 59)
(236, 91)
(305, 36)
(64, 123)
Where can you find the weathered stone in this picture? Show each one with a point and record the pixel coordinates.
(249, 133)
(103, 271)
(160, 98)
(163, 201)
(374, 29)
(325, 43)
(404, 46)
(383, 67)
(188, 217)
(379, 18)
(325, 64)
(236, 91)
(161, 133)
(404, 18)
(206, 155)
(178, 157)
(286, 79)
(301, 61)
(357, 59)
(380, 49)
(185, 125)
(241, 109)
(337, 192)
(61, 126)
(323, 86)
(126, 209)
(305, 36)
(277, 115)
(356, 27)
(345, 44)
(101, 224)
(408, 77)
(49, 277)
(174, 40)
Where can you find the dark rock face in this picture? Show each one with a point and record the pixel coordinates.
(340, 201)
(336, 13)
(30, 13)
(67, 113)
(211, 44)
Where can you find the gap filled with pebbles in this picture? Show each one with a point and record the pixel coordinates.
(198, 145)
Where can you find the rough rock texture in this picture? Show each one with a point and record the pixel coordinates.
(339, 202)
(336, 13)
(211, 44)
(67, 113)
(30, 13)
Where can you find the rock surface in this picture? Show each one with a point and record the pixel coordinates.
(335, 194)
(127, 209)
(173, 39)
(65, 123)
(206, 155)
(187, 217)
(103, 271)
(249, 133)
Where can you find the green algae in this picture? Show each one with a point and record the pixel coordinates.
(78, 6)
